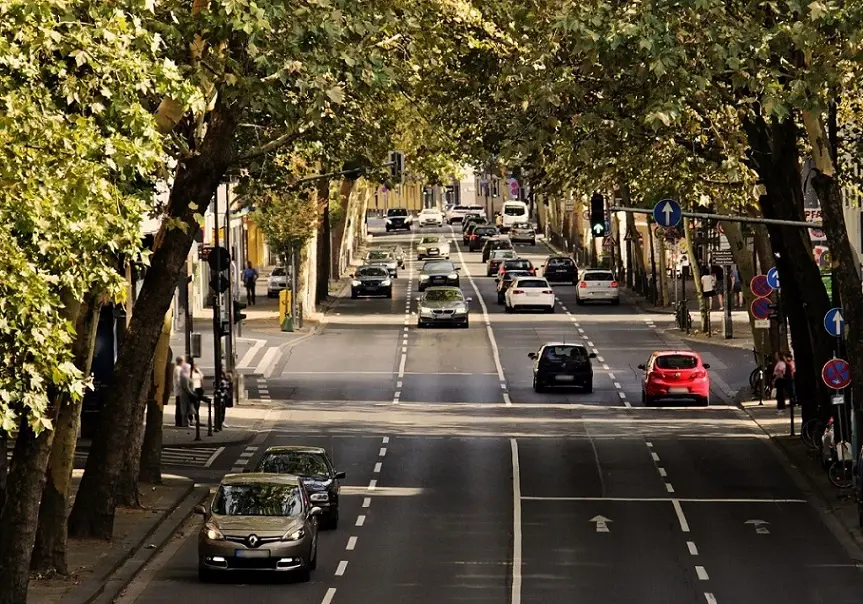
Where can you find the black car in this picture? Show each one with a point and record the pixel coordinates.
(438, 272)
(504, 281)
(479, 236)
(469, 220)
(443, 306)
(516, 264)
(562, 365)
(469, 229)
(314, 466)
(371, 281)
(398, 219)
(560, 268)
(497, 243)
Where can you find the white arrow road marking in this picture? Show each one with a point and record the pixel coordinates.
(760, 526)
(601, 524)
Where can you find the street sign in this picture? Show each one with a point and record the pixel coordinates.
(760, 287)
(762, 323)
(760, 308)
(773, 278)
(667, 213)
(513, 188)
(836, 374)
(834, 323)
(722, 257)
(608, 242)
(825, 260)
(630, 236)
(837, 399)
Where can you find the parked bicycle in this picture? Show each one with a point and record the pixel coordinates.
(683, 318)
(761, 378)
(812, 431)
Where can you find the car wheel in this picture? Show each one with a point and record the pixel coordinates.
(533, 242)
(537, 386)
(305, 573)
(396, 275)
(649, 401)
(390, 294)
(500, 299)
(466, 324)
(579, 301)
(354, 295)
(704, 401)
(588, 388)
(551, 308)
(421, 287)
(507, 307)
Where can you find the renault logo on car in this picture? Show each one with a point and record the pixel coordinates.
(253, 541)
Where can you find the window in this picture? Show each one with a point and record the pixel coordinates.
(258, 500)
(598, 276)
(379, 255)
(564, 353)
(278, 272)
(529, 283)
(435, 267)
(308, 465)
(514, 210)
(560, 262)
(505, 254)
(512, 275)
(397, 212)
(485, 231)
(444, 295)
(501, 244)
(372, 271)
(430, 240)
(518, 264)
(675, 362)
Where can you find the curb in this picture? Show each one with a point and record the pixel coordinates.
(107, 584)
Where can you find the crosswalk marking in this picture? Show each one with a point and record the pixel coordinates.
(194, 457)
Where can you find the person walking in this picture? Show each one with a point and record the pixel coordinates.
(780, 368)
(188, 398)
(250, 277)
(178, 373)
(790, 375)
(737, 287)
(708, 287)
(198, 386)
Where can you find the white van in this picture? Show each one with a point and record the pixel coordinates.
(512, 213)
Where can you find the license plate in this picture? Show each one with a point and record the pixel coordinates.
(252, 553)
(565, 378)
(371, 287)
(533, 294)
(678, 390)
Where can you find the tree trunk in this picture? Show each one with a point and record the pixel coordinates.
(324, 244)
(773, 155)
(151, 449)
(49, 552)
(194, 186)
(703, 306)
(128, 494)
(743, 260)
(664, 298)
(846, 264)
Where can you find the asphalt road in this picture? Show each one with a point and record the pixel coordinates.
(463, 485)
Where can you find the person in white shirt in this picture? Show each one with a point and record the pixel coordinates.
(708, 287)
(198, 386)
(178, 389)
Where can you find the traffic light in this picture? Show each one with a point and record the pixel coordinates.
(397, 166)
(219, 260)
(597, 215)
(238, 306)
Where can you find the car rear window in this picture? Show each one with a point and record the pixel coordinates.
(598, 276)
(502, 254)
(514, 210)
(517, 264)
(522, 226)
(564, 353)
(532, 283)
(676, 361)
(397, 212)
(485, 231)
(501, 244)
(512, 275)
(560, 262)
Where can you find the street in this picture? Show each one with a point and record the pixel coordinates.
(463, 484)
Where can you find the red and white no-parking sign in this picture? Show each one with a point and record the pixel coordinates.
(513, 188)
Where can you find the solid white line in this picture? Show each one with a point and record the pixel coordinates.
(328, 597)
(507, 401)
(654, 456)
(213, 457)
(684, 525)
(268, 361)
(515, 597)
(668, 487)
(386, 439)
(711, 599)
(367, 501)
(666, 499)
(361, 520)
(352, 543)
(251, 353)
(341, 568)
(373, 484)
(378, 467)
(693, 551)
(702, 574)
(662, 472)
(382, 452)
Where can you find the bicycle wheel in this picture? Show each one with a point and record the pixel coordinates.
(841, 474)
(811, 433)
(755, 379)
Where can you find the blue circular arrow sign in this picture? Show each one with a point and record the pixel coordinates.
(773, 278)
(667, 213)
(836, 374)
(834, 323)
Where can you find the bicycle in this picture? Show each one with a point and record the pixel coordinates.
(684, 319)
(761, 378)
(812, 431)
(841, 470)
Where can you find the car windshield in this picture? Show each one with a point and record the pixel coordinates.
(278, 272)
(676, 361)
(258, 500)
(430, 240)
(513, 210)
(429, 211)
(530, 283)
(598, 276)
(485, 230)
(511, 275)
(560, 262)
(518, 263)
(397, 213)
(498, 254)
(564, 353)
(298, 463)
(444, 295)
(372, 271)
(501, 244)
(379, 255)
(522, 226)
(438, 267)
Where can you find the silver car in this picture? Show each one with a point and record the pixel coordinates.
(276, 282)
(597, 285)
(384, 259)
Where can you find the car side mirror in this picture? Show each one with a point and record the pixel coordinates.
(641, 366)
(706, 365)
(315, 511)
(340, 475)
(199, 509)
(592, 355)
(531, 355)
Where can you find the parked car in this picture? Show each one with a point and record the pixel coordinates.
(429, 217)
(596, 285)
(560, 268)
(371, 281)
(522, 232)
(398, 219)
(276, 282)
(433, 246)
(443, 306)
(675, 375)
(560, 364)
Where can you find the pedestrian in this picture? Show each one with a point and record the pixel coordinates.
(250, 277)
(498, 220)
(790, 375)
(198, 386)
(780, 368)
(178, 372)
(226, 399)
(708, 287)
(737, 287)
(188, 398)
(719, 284)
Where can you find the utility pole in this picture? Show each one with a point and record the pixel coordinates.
(229, 307)
(217, 324)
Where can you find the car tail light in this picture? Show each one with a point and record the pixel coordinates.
(582, 284)
(699, 374)
(473, 236)
(518, 291)
(548, 291)
(613, 284)
(532, 271)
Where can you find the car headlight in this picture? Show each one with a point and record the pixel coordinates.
(213, 533)
(356, 283)
(389, 221)
(452, 276)
(424, 277)
(425, 311)
(294, 535)
(460, 310)
(386, 283)
(319, 497)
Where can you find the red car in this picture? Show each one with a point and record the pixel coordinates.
(675, 375)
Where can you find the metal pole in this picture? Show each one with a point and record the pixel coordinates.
(728, 327)
(723, 217)
(229, 310)
(217, 327)
(184, 303)
(652, 265)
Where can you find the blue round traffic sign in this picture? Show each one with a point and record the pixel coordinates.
(834, 323)
(667, 213)
(773, 278)
(836, 374)
(760, 308)
(760, 287)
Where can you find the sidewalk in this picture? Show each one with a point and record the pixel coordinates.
(840, 508)
(103, 568)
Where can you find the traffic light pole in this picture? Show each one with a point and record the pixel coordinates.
(217, 327)
(229, 304)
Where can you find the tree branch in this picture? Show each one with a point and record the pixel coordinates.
(276, 143)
